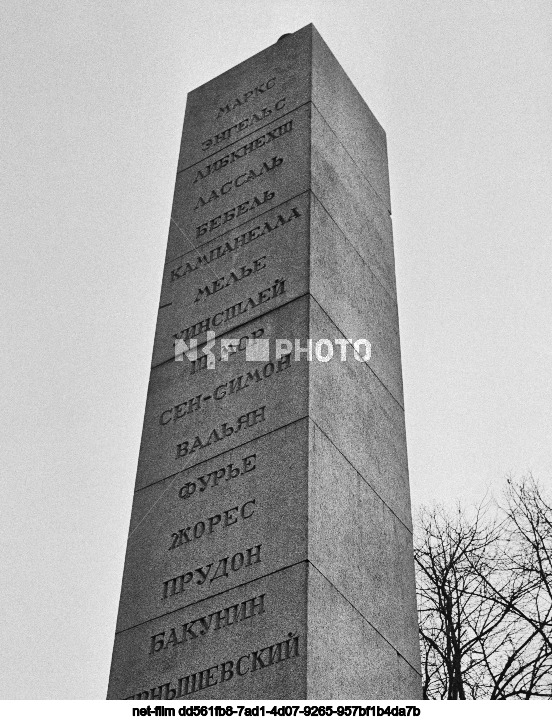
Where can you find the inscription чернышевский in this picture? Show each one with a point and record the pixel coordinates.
(223, 672)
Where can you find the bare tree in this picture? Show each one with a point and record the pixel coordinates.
(484, 597)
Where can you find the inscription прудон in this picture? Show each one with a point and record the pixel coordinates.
(217, 521)
(211, 479)
(242, 559)
(238, 181)
(199, 627)
(247, 420)
(243, 124)
(223, 672)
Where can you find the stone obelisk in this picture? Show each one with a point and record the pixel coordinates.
(270, 546)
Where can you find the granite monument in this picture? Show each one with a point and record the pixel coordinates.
(270, 545)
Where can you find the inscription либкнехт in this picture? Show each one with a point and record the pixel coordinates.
(263, 140)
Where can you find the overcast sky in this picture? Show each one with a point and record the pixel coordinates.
(93, 98)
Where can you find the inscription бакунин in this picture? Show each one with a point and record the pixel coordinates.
(200, 627)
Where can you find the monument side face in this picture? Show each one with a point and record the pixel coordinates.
(270, 544)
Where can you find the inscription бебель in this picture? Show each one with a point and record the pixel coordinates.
(199, 627)
(246, 207)
(225, 566)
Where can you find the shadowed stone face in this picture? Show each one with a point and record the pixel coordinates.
(270, 548)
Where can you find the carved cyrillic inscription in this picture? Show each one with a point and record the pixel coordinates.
(231, 246)
(247, 420)
(225, 566)
(234, 385)
(228, 134)
(212, 479)
(231, 278)
(199, 627)
(217, 521)
(223, 672)
(201, 363)
(238, 181)
(228, 314)
(246, 207)
(244, 98)
(260, 142)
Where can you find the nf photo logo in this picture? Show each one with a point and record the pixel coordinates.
(262, 349)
